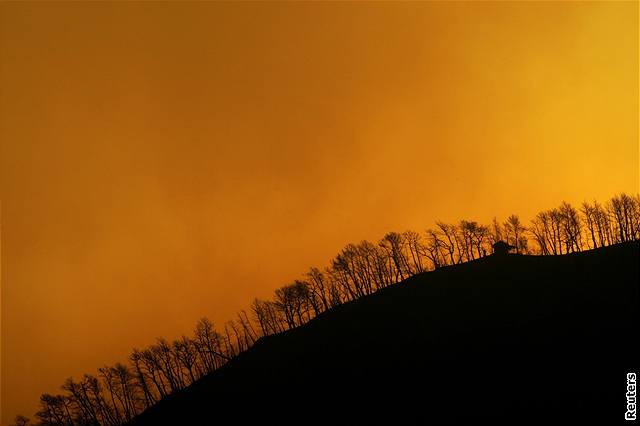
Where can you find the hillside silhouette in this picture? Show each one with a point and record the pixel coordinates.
(511, 338)
(440, 351)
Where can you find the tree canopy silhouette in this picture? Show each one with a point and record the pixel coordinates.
(117, 393)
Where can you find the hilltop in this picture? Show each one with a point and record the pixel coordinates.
(506, 338)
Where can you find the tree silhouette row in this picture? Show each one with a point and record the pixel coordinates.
(115, 394)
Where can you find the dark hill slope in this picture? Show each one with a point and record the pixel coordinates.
(510, 338)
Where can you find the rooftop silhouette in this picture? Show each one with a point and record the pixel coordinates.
(501, 248)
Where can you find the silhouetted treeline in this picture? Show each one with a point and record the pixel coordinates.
(115, 394)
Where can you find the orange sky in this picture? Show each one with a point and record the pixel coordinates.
(161, 162)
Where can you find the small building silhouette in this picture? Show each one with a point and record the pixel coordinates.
(501, 247)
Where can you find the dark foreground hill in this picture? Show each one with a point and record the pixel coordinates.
(511, 339)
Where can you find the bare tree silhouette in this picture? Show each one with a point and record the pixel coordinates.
(120, 392)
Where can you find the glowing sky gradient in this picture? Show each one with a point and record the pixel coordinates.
(161, 162)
